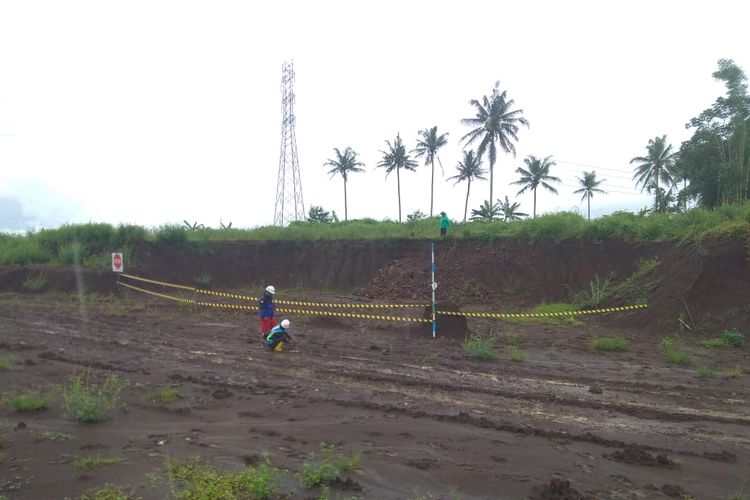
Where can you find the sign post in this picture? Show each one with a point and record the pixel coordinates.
(433, 285)
(117, 263)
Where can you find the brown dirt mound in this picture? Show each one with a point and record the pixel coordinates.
(638, 456)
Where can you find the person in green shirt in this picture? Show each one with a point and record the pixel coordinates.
(445, 222)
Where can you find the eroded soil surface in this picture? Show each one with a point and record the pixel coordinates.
(429, 420)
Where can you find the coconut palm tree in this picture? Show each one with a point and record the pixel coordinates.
(508, 210)
(397, 158)
(428, 146)
(655, 168)
(589, 185)
(496, 123)
(468, 170)
(537, 174)
(344, 164)
(485, 212)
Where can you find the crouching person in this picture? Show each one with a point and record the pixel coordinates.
(278, 336)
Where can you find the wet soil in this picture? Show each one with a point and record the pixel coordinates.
(429, 420)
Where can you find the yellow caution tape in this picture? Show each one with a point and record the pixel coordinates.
(353, 315)
(157, 294)
(542, 315)
(162, 283)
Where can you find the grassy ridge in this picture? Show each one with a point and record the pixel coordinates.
(90, 244)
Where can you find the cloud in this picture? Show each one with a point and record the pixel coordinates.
(12, 216)
(27, 204)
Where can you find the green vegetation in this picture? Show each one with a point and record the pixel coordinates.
(705, 371)
(516, 354)
(163, 395)
(35, 282)
(598, 291)
(55, 245)
(512, 338)
(481, 348)
(192, 479)
(108, 492)
(85, 401)
(565, 319)
(732, 372)
(52, 436)
(739, 493)
(95, 462)
(331, 465)
(28, 402)
(673, 351)
(7, 362)
(431, 357)
(609, 344)
(729, 338)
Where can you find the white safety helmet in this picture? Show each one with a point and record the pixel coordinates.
(285, 323)
(270, 289)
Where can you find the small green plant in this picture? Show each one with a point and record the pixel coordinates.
(203, 279)
(512, 338)
(163, 396)
(673, 351)
(95, 462)
(733, 338)
(52, 436)
(317, 473)
(715, 343)
(609, 344)
(597, 292)
(7, 362)
(192, 479)
(35, 282)
(108, 492)
(516, 354)
(481, 348)
(28, 402)
(705, 371)
(86, 401)
(431, 357)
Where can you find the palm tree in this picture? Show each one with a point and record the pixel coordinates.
(537, 173)
(655, 167)
(428, 147)
(495, 123)
(589, 185)
(470, 168)
(486, 212)
(343, 165)
(397, 158)
(508, 210)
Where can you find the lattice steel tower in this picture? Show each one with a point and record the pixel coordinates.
(289, 204)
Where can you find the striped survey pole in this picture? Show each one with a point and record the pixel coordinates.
(433, 286)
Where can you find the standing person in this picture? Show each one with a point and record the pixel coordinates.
(445, 222)
(278, 336)
(266, 311)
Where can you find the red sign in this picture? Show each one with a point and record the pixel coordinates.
(117, 262)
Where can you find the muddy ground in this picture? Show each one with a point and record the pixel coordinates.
(429, 420)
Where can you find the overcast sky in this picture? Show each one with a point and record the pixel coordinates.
(154, 112)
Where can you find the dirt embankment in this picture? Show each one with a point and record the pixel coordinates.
(706, 282)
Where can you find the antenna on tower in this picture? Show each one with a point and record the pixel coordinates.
(289, 204)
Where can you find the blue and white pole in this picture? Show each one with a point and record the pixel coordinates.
(433, 286)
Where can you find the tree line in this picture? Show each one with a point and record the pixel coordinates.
(710, 169)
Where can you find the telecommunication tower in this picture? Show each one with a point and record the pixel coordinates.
(289, 204)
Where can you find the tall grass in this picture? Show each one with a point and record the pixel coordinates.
(82, 241)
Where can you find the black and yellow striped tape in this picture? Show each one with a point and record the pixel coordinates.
(157, 294)
(542, 315)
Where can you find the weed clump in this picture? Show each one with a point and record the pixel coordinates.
(192, 479)
(86, 401)
(108, 492)
(28, 402)
(733, 338)
(163, 396)
(609, 344)
(480, 348)
(516, 354)
(95, 462)
(317, 473)
(7, 362)
(673, 351)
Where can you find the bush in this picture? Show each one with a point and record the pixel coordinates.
(516, 354)
(163, 396)
(28, 402)
(673, 352)
(171, 235)
(480, 348)
(194, 480)
(35, 282)
(108, 492)
(609, 344)
(733, 338)
(22, 250)
(330, 467)
(85, 401)
(597, 292)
